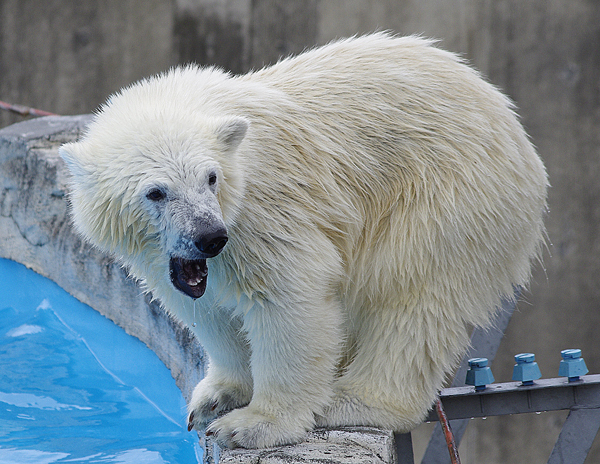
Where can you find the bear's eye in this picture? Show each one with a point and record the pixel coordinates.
(155, 195)
(212, 179)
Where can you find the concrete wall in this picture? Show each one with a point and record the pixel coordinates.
(66, 57)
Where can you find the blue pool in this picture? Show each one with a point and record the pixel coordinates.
(74, 387)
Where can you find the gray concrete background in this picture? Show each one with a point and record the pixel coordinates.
(67, 57)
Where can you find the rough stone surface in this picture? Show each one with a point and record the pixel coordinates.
(344, 446)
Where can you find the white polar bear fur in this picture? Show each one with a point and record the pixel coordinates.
(380, 199)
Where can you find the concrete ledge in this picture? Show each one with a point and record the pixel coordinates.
(35, 230)
(356, 445)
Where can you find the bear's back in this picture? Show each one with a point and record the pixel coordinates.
(402, 152)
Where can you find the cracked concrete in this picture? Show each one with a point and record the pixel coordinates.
(35, 230)
(348, 445)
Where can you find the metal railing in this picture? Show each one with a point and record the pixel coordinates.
(462, 403)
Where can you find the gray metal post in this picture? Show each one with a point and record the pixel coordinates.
(404, 448)
(576, 437)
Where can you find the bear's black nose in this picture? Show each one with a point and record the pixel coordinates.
(212, 243)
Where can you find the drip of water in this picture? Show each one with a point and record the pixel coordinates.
(194, 320)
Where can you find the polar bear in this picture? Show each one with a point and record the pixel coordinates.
(330, 227)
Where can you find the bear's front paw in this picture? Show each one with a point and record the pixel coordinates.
(212, 399)
(250, 428)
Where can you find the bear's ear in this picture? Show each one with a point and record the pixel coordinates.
(231, 131)
(71, 153)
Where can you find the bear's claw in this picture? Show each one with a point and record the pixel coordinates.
(212, 400)
(190, 421)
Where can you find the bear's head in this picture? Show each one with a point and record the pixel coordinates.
(156, 186)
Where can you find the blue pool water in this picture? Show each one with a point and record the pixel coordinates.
(74, 387)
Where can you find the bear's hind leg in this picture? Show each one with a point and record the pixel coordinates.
(399, 362)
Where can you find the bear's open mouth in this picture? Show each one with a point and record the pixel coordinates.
(189, 275)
